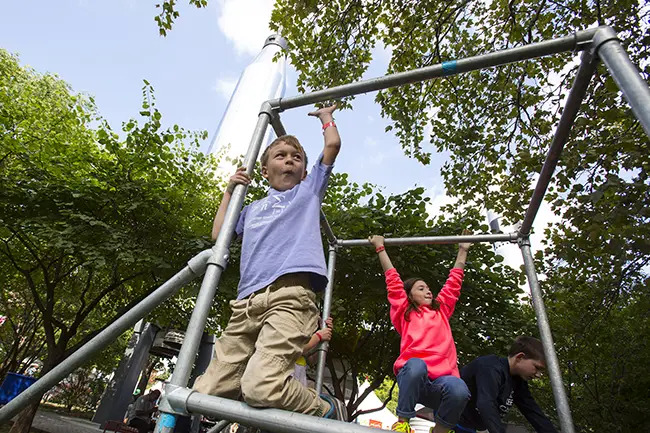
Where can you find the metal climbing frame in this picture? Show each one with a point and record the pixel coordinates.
(598, 43)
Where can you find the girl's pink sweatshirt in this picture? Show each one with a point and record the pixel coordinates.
(427, 334)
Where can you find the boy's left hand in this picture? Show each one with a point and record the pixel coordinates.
(325, 334)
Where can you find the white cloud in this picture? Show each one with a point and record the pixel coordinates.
(245, 23)
(439, 198)
(369, 142)
(377, 158)
(224, 87)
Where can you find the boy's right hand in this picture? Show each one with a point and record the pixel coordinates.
(239, 178)
(376, 240)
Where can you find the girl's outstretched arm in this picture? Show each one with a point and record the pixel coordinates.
(463, 248)
(378, 242)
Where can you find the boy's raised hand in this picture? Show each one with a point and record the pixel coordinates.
(239, 178)
(324, 113)
(376, 240)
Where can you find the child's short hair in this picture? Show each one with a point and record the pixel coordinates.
(291, 141)
(531, 347)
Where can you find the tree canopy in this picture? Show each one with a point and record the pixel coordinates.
(90, 220)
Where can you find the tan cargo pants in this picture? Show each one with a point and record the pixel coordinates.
(256, 353)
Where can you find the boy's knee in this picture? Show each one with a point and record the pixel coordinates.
(261, 389)
(261, 396)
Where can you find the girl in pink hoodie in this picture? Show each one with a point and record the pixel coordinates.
(426, 369)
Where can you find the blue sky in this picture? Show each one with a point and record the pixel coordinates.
(105, 48)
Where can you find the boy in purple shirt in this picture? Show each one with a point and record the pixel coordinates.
(282, 265)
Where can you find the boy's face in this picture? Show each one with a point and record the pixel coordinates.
(527, 368)
(285, 167)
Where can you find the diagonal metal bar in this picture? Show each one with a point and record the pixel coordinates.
(195, 267)
(574, 100)
(277, 125)
(327, 229)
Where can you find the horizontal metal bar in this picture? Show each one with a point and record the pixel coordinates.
(275, 420)
(575, 42)
(427, 240)
(196, 266)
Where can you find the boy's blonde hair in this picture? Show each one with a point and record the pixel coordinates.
(288, 139)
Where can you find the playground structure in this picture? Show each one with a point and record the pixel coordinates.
(596, 44)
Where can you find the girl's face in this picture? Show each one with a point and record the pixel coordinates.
(421, 294)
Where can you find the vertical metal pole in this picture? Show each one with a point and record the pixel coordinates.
(552, 364)
(625, 74)
(216, 266)
(327, 304)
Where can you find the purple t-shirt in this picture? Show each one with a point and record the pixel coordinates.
(281, 234)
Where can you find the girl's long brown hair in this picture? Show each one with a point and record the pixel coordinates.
(408, 285)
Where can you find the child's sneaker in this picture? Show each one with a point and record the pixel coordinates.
(402, 426)
(337, 410)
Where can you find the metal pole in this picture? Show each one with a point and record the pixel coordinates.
(195, 267)
(275, 420)
(552, 364)
(216, 265)
(625, 74)
(325, 225)
(575, 42)
(574, 100)
(327, 304)
(277, 125)
(219, 426)
(502, 237)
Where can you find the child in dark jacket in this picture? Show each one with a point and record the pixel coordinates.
(496, 383)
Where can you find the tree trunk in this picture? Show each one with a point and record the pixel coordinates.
(23, 421)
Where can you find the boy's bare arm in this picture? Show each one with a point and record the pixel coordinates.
(330, 134)
(324, 334)
(239, 178)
